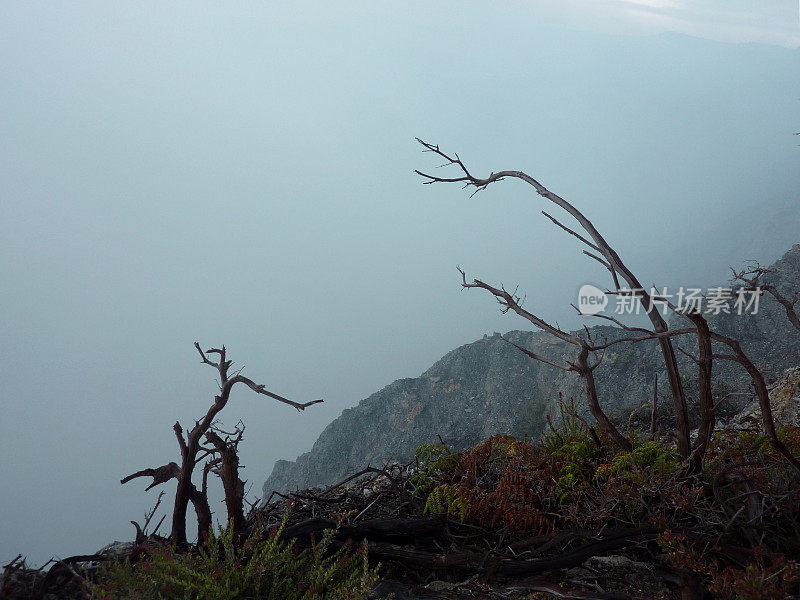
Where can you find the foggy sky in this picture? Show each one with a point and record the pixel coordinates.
(244, 176)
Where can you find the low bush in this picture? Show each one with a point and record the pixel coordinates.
(261, 567)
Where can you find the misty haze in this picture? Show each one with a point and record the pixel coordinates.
(245, 175)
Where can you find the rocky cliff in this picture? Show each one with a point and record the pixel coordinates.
(489, 387)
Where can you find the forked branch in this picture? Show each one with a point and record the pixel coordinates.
(190, 446)
(580, 365)
(611, 261)
(754, 278)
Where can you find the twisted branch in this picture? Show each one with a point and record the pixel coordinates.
(612, 261)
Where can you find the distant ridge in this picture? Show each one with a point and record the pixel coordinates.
(489, 387)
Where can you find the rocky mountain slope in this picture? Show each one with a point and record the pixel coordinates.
(489, 387)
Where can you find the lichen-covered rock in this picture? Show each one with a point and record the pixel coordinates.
(784, 398)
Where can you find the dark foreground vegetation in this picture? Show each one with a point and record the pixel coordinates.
(598, 510)
(567, 516)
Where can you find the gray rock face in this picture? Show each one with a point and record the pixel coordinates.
(490, 387)
(784, 398)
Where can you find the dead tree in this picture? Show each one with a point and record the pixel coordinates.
(754, 278)
(224, 463)
(608, 257)
(762, 394)
(707, 355)
(705, 396)
(612, 262)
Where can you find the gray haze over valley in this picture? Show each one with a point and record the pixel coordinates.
(244, 176)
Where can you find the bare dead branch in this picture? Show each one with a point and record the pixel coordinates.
(206, 453)
(536, 356)
(260, 389)
(510, 302)
(611, 257)
(204, 358)
(140, 536)
(599, 360)
(620, 323)
(581, 365)
(705, 397)
(653, 336)
(649, 335)
(149, 516)
(761, 393)
(576, 234)
(179, 434)
(689, 355)
(754, 278)
(160, 475)
(155, 531)
(654, 409)
(610, 269)
(207, 468)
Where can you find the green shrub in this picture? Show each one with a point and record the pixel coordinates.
(431, 458)
(570, 429)
(569, 486)
(571, 444)
(447, 500)
(647, 456)
(262, 567)
(577, 451)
